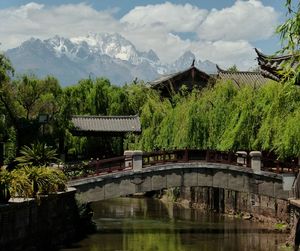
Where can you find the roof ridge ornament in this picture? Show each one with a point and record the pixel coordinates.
(193, 63)
(219, 69)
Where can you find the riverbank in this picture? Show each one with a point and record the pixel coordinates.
(271, 224)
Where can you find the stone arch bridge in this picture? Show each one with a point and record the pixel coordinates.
(195, 174)
(223, 181)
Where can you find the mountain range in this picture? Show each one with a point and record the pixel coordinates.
(95, 55)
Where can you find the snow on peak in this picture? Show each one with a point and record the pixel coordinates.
(113, 45)
(60, 45)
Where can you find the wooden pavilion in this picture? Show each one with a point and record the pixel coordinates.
(105, 127)
(90, 125)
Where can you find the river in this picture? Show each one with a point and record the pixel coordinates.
(134, 224)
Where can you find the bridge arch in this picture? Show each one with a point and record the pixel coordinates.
(196, 174)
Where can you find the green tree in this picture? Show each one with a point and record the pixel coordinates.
(290, 30)
(233, 68)
(289, 33)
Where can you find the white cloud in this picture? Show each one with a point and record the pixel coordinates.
(224, 35)
(226, 53)
(167, 16)
(249, 20)
(35, 20)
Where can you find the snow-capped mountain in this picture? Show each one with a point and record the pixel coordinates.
(185, 61)
(107, 55)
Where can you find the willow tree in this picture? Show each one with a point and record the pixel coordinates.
(289, 33)
(290, 30)
(153, 112)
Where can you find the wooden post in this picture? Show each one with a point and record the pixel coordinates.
(277, 166)
(186, 155)
(207, 157)
(164, 155)
(229, 157)
(97, 167)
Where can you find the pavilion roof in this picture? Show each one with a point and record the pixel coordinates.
(90, 124)
(273, 66)
(175, 76)
(240, 78)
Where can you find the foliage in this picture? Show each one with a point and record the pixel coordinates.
(290, 30)
(99, 97)
(6, 69)
(32, 181)
(17, 183)
(233, 68)
(5, 177)
(225, 117)
(38, 154)
(20, 185)
(289, 33)
(45, 180)
(10, 146)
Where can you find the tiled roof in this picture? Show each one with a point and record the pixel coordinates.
(241, 78)
(120, 124)
(170, 77)
(272, 66)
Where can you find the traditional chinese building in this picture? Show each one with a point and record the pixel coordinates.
(274, 67)
(241, 78)
(90, 125)
(104, 129)
(172, 83)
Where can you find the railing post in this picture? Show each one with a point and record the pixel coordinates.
(241, 158)
(255, 161)
(164, 155)
(137, 160)
(277, 166)
(128, 159)
(229, 157)
(186, 155)
(215, 156)
(97, 166)
(207, 157)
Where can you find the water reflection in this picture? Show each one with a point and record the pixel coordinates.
(129, 224)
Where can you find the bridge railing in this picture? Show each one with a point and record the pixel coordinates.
(96, 167)
(279, 166)
(189, 155)
(268, 162)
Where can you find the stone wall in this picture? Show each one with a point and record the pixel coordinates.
(38, 225)
(230, 201)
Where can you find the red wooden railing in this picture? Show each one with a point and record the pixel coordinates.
(269, 162)
(189, 155)
(96, 167)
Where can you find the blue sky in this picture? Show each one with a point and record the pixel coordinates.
(223, 31)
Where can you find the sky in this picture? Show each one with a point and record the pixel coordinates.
(222, 31)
